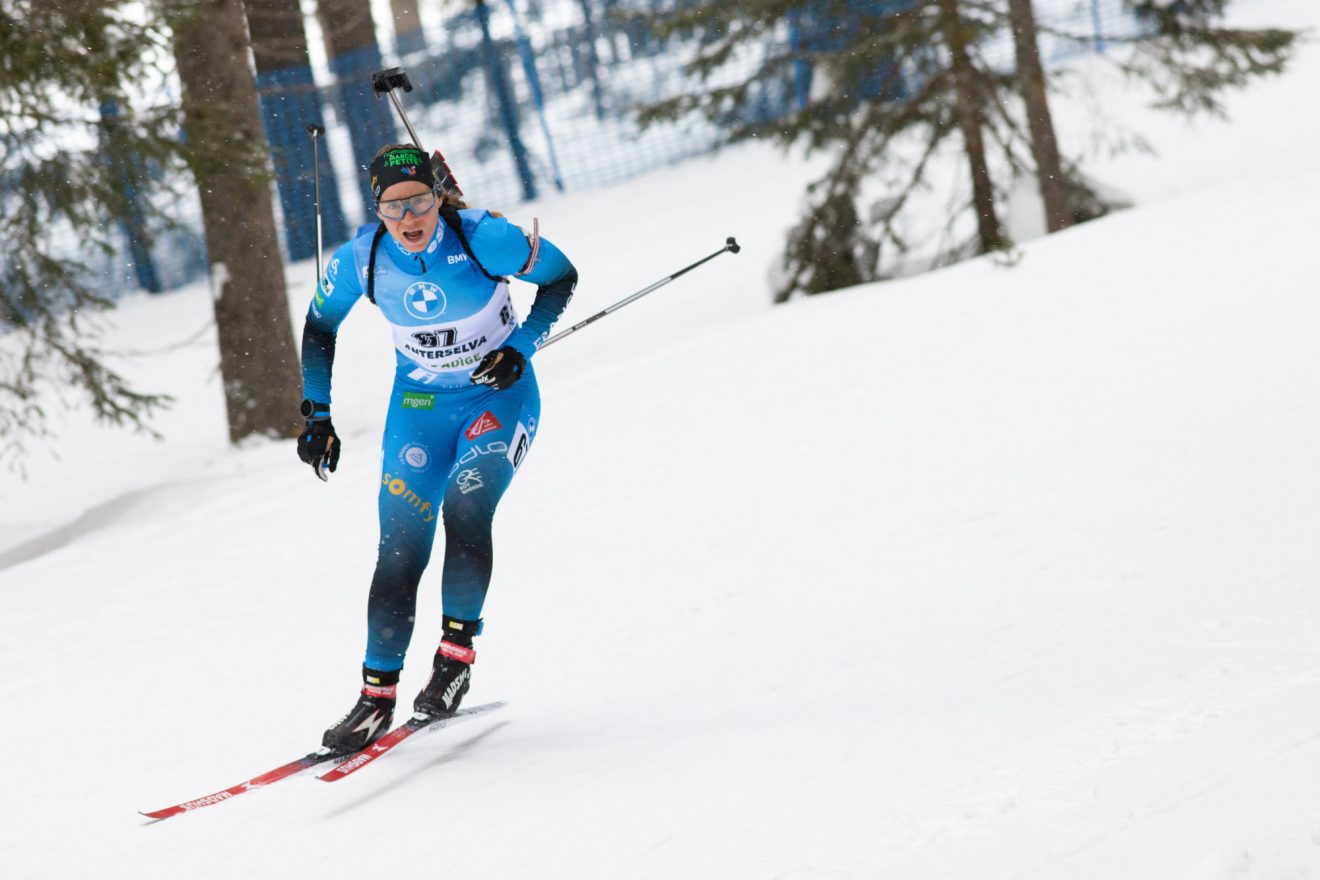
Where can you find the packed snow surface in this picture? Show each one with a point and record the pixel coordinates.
(1009, 570)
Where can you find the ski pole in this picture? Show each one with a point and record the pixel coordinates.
(316, 131)
(729, 245)
(384, 82)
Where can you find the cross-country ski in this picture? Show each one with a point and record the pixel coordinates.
(415, 725)
(285, 771)
(347, 764)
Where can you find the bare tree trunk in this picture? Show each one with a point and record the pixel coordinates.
(347, 24)
(278, 38)
(970, 122)
(1044, 145)
(406, 19)
(229, 160)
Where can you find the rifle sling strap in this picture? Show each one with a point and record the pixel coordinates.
(450, 215)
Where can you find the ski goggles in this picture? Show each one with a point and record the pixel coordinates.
(395, 209)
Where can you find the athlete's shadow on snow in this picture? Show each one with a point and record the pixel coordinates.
(453, 753)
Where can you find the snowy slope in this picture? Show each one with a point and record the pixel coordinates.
(996, 572)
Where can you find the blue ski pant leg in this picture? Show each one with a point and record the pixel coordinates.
(496, 435)
(418, 447)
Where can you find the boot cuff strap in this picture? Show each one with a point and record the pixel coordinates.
(457, 652)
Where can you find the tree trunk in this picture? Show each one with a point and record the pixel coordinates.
(407, 25)
(278, 37)
(228, 158)
(1044, 145)
(970, 122)
(347, 24)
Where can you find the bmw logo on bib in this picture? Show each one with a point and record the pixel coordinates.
(424, 300)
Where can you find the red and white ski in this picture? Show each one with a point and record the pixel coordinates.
(290, 769)
(415, 724)
(351, 763)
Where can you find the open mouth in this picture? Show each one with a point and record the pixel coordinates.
(413, 236)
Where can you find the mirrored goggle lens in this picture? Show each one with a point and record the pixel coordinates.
(395, 208)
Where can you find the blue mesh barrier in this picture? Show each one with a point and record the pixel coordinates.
(289, 103)
(133, 226)
(544, 99)
(369, 119)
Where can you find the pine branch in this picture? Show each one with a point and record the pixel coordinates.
(77, 131)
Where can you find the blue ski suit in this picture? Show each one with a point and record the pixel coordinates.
(451, 448)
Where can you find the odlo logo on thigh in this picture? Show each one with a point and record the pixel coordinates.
(399, 489)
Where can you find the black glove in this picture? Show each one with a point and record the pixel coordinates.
(500, 369)
(318, 445)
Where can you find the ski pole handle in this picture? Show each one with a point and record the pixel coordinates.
(384, 82)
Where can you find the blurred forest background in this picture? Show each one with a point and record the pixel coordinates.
(147, 145)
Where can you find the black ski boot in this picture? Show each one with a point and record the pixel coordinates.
(369, 719)
(452, 673)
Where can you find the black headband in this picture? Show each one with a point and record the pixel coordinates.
(397, 165)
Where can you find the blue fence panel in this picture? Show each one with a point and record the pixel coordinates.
(289, 103)
(369, 119)
(523, 95)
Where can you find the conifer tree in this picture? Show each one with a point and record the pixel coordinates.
(1191, 58)
(65, 182)
(884, 74)
(230, 160)
(1184, 52)
(897, 84)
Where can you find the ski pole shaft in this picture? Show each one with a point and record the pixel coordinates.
(316, 131)
(384, 82)
(394, 99)
(729, 245)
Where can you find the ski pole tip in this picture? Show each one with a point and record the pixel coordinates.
(315, 130)
(731, 245)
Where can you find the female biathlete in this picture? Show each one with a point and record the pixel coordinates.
(462, 415)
